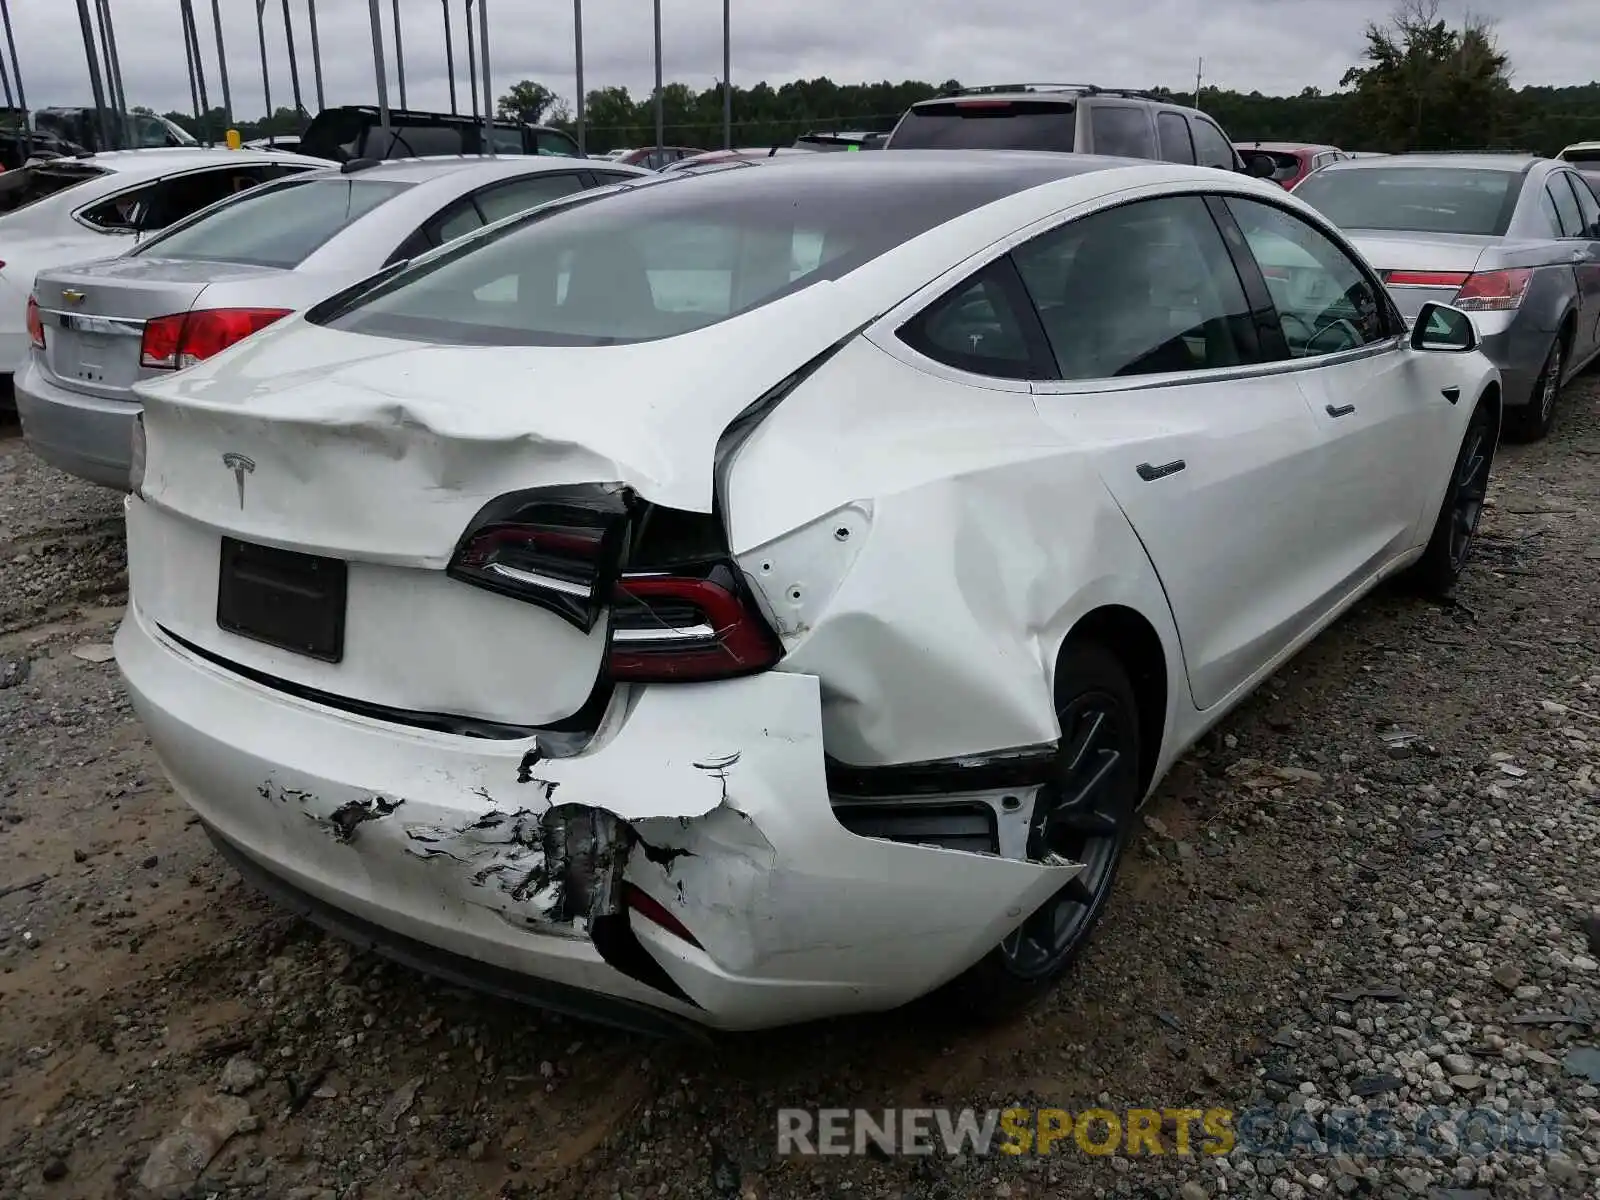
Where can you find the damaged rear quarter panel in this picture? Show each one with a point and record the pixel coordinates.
(977, 537)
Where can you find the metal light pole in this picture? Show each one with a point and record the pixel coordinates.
(191, 61)
(488, 86)
(577, 52)
(222, 63)
(294, 67)
(399, 56)
(727, 75)
(316, 53)
(5, 78)
(660, 114)
(94, 74)
(378, 68)
(472, 61)
(266, 80)
(108, 47)
(16, 74)
(450, 57)
(191, 34)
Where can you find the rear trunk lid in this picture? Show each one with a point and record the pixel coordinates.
(376, 455)
(1421, 268)
(95, 315)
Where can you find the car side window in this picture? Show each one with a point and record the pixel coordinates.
(978, 326)
(1588, 205)
(1211, 148)
(1145, 288)
(121, 213)
(1173, 131)
(508, 199)
(1122, 130)
(1325, 302)
(1548, 213)
(460, 219)
(1566, 207)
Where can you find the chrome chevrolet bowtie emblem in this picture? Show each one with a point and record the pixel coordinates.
(240, 466)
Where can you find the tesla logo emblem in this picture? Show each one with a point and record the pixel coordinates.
(240, 466)
(71, 296)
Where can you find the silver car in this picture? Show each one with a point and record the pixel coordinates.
(99, 328)
(1511, 239)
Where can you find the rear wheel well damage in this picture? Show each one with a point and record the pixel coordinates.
(1137, 646)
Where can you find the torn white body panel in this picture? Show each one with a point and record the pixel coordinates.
(405, 828)
(933, 613)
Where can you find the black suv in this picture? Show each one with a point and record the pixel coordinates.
(1072, 118)
(356, 131)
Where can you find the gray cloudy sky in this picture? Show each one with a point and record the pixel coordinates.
(1271, 45)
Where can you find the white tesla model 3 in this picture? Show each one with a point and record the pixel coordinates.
(741, 598)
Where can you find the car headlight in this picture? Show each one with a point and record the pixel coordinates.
(136, 455)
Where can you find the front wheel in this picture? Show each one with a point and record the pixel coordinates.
(1456, 527)
(1084, 815)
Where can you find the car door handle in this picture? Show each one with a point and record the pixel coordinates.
(1150, 474)
(1451, 393)
(1340, 410)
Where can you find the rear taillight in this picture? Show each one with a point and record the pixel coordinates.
(183, 339)
(564, 549)
(1494, 291)
(35, 325)
(687, 627)
(657, 913)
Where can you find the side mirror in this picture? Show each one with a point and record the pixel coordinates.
(1441, 329)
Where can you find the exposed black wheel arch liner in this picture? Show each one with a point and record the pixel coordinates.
(1137, 646)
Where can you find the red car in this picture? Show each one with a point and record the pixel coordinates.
(1291, 162)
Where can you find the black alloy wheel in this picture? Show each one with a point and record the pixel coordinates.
(1084, 815)
(1532, 421)
(1456, 527)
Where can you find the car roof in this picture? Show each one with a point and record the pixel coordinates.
(1060, 93)
(164, 159)
(1479, 161)
(437, 166)
(1283, 147)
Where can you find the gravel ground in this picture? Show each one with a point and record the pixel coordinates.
(1366, 894)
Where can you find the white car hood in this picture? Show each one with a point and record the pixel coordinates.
(336, 422)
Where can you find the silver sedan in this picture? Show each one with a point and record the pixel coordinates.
(1513, 240)
(98, 328)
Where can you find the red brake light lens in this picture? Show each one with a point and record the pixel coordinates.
(183, 339)
(1494, 291)
(683, 628)
(657, 913)
(35, 324)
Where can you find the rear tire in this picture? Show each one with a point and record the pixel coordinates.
(1531, 422)
(1456, 527)
(1087, 815)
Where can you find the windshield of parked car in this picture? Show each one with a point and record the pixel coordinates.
(29, 185)
(280, 225)
(1582, 154)
(1415, 199)
(661, 259)
(987, 125)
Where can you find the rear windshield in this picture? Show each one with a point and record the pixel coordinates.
(276, 226)
(987, 125)
(20, 188)
(1586, 154)
(1284, 166)
(1415, 199)
(655, 261)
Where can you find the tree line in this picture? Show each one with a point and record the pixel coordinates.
(1422, 84)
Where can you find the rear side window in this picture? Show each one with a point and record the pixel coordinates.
(979, 326)
(549, 141)
(1176, 144)
(1211, 148)
(280, 226)
(1566, 207)
(29, 185)
(1588, 205)
(508, 199)
(1121, 130)
(505, 141)
(1142, 289)
(988, 125)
